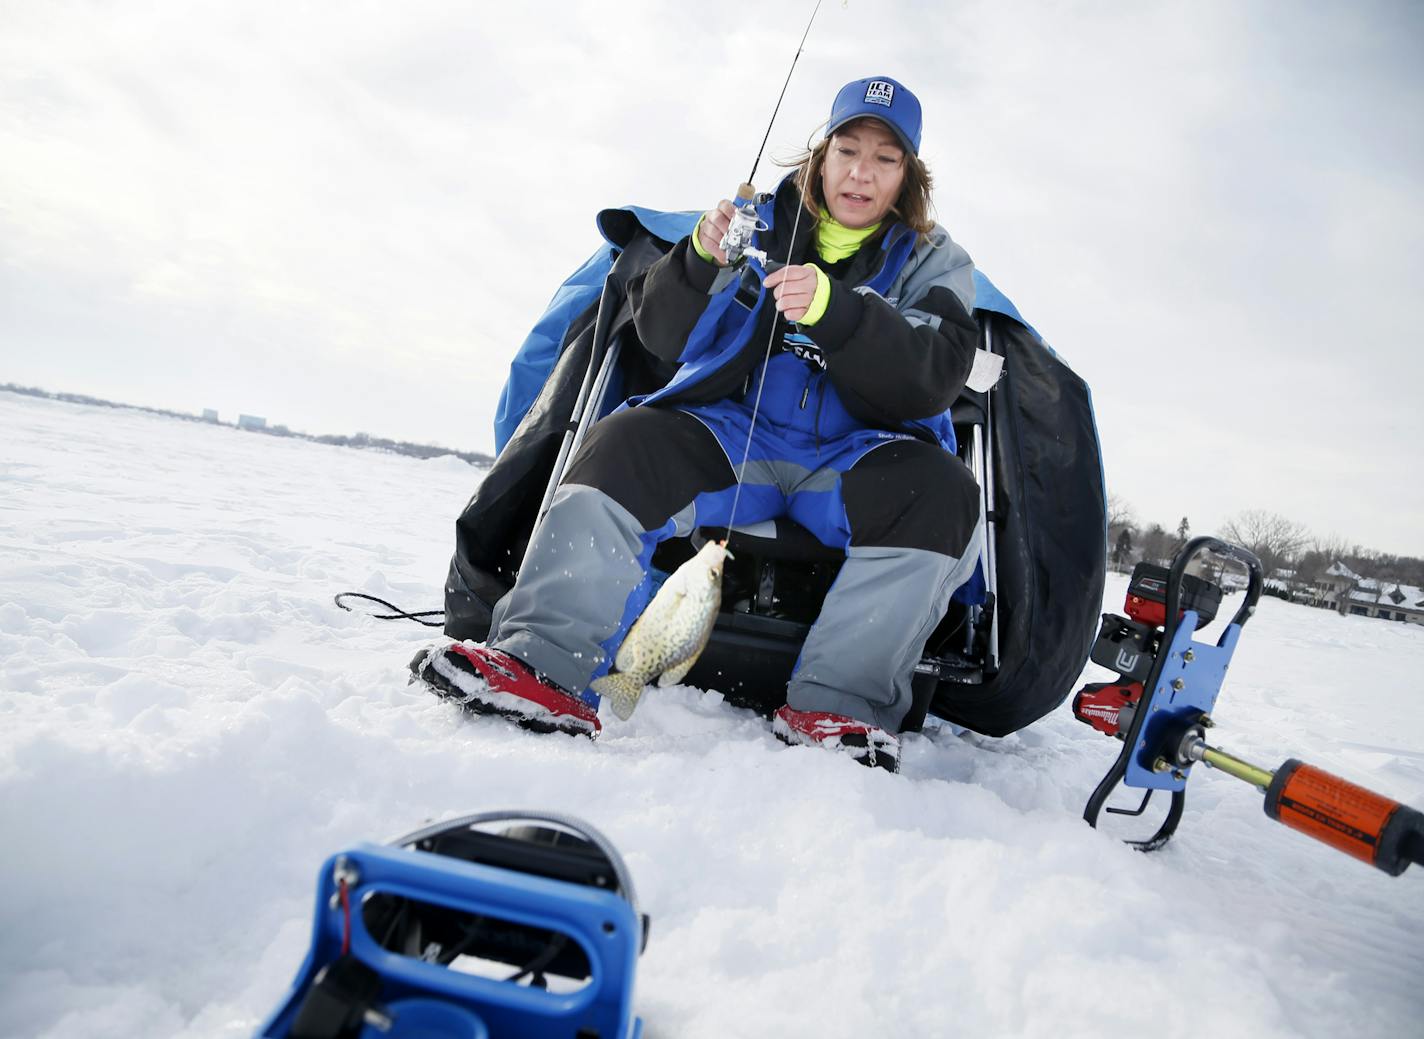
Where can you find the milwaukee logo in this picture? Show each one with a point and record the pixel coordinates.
(1107, 714)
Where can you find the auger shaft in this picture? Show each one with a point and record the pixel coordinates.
(1361, 823)
(1233, 766)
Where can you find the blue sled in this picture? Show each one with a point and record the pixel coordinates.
(417, 938)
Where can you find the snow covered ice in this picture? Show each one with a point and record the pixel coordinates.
(189, 726)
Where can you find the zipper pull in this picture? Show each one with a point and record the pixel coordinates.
(804, 394)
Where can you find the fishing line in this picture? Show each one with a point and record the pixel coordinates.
(766, 361)
(790, 247)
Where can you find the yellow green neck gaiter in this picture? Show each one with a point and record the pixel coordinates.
(835, 241)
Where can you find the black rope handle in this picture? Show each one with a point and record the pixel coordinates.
(396, 614)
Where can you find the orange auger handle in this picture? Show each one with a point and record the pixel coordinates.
(1361, 823)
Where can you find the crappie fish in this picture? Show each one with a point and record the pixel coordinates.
(667, 638)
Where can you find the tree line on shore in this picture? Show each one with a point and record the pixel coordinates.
(1281, 544)
(357, 440)
(1284, 546)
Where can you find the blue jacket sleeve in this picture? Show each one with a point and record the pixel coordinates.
(536, 357)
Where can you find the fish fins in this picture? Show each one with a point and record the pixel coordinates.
(678, 672)
(622, 690)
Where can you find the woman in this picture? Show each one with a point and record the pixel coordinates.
(871, 340)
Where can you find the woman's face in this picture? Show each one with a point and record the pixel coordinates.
(863, 172)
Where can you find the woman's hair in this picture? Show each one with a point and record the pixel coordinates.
(912, 208)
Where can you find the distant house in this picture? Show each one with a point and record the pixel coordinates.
(1281, 582)
(1392, 602)
(251, 422)
(1346, 592)
(210, 415)
(1334, 586)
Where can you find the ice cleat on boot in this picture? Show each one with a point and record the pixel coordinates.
(490, 681)
(866, 743)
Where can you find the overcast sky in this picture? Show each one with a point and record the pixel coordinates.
(345, 217)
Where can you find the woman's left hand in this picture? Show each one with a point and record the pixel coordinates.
(793, 288)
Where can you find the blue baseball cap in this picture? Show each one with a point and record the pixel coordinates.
(882, 98)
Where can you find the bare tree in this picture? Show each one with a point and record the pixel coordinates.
(1120, 514)
(1372, 566)
(1122, 529)
(1275, 540)
(1334, 547)
(1322, 554)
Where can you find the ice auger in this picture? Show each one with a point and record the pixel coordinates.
(1160, 707)
(418, 937)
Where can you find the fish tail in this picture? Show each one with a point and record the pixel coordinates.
(622, 689)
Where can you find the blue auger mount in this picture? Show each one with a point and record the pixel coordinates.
(457, 931)
(1167, 682)
(1160, 707)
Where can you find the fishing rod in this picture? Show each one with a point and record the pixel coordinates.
(671, 631)
(737, 246)
(799, 48)
(736, 243)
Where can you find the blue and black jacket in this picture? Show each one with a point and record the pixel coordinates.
(540, 350)
(897, 338)
(1048, 480)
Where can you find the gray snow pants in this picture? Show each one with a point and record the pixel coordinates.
(905, 512)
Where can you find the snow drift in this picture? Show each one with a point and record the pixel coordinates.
(190, 726)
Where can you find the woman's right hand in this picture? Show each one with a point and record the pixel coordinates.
(712, 228)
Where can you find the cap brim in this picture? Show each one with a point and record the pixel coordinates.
(904, 141)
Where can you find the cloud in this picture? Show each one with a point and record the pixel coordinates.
(349, 220)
